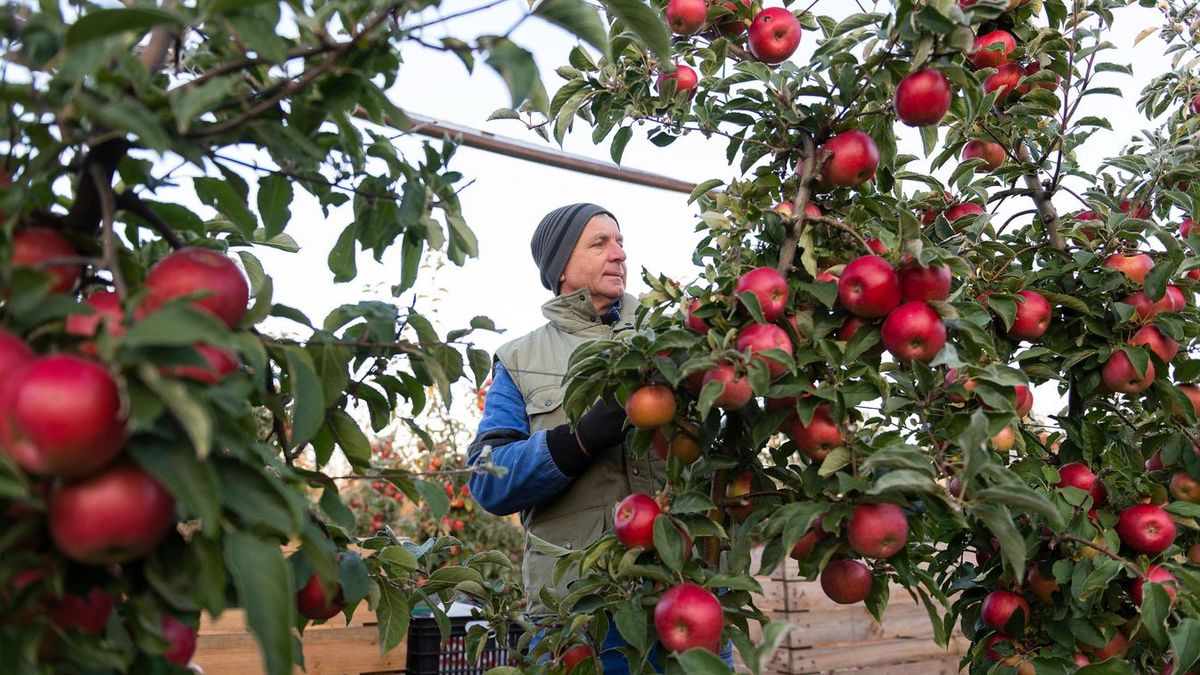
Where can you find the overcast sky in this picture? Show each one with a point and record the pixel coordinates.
(508, 196)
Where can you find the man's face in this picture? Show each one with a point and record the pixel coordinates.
(597, 263)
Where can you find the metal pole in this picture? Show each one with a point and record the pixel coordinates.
(511, 147)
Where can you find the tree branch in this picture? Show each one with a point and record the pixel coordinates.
(160, 40)
(108, 238)
(808, 172)
(129, 201)
(1041, 200)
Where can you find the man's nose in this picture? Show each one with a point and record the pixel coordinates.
(616, 253)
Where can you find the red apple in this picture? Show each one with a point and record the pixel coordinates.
(579, 653)
(877, 246)
(314, 602)
(785, 209)
(1116, 647)
(922, 98)
(991, 153)
(693, 322)
(869, 287)
(1033, 68)
(817, 439)
(999, 607)
(758, 337)
(991, 49)
(1185, 228)
(914, 331)
(106, 309)
(213, 278)
(853, 159)
(87, 613)
(218, 363)
(1192, 392)
(61, 416)
(1141, 211)
(650, 406)
(1160, 344)
(34, 246)
(846, 581)
(1024, 400)
(1078, 475)
(1032, 318)
(688, 616)
(877, 530)
(181, 640)
(767, 286)
(1043, 586)
(1119, 374)
(967, 208)
(1003, 81)
(732, 25)
(825, 276)
(737, 391)
(1154, 574)
(774, 35)
(1155, 462)
(1146, 528)
(1196, 104)
(112, 516)
(925, 283)
(684, 77)
(1185, 488)
(1004, 440)
(686, 16)
(805, 545)
(1134, 267)
(14, 353)
(633, 521)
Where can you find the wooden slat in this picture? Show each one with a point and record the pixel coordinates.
(234, 621)
(342, 651)
(881, 653)
(854, 625)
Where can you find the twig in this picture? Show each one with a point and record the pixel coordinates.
(808, 172)
(160, 40)
(1067, 536)
(1046, 210)
(108, 237)
(129, 201)
(449, 17)
(845, 228)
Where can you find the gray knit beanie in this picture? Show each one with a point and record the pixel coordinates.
(555, 238)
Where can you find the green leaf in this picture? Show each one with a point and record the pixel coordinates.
(1185, 644)
(517, 67)
(434, 496)
(176, 324)
(999, 520)
(258, 500)
(399, 559)
(619, 141)
(646, 23)
(265, 589)
(191, 414)
(631, 624)
(274, 203)
(393, 613)
(700, 660)
(308, 397)
(190, 480)
(1024, 499)
(350, 438)
(1156, 604)
(332, 505)
(195, 101)
(668, 542)
(221, 195)
(103, 23)
(579, 18)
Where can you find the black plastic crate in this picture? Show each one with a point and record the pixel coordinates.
(428, 654)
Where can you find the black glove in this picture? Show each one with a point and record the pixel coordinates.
(600, 428)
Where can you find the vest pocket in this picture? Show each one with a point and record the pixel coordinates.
(573, 531)
(543, 400)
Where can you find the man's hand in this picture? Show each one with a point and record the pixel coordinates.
(601, 427)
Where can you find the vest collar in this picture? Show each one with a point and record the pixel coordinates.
(574, 312)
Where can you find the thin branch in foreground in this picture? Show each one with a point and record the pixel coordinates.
(108, 238)
(129, 201)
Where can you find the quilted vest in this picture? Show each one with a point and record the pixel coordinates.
(576, 517)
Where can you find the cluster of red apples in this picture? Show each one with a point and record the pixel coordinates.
(63, 421)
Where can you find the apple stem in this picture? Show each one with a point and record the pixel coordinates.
(1067, 536)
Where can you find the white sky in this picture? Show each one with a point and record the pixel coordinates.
(509, 196)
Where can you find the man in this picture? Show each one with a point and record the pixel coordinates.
(564, 481)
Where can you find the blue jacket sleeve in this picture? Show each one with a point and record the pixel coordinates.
(503, 437)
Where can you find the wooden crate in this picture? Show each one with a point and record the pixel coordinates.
(830, 638)
(226, 647)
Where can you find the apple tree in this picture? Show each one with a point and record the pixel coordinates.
(848, 378)
(160, 441)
